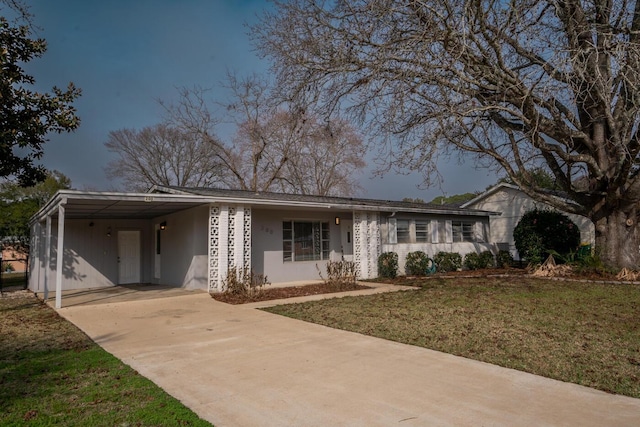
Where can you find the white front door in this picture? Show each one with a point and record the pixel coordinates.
(346, 234)
(128, 257)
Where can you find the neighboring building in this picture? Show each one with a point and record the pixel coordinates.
(191, 237)
(513, 203)
(15, 258)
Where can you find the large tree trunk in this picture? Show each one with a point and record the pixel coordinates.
(617, 239)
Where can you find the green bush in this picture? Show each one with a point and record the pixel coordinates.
(417, 263)
(472, 261)
(541, 231)
(448, 261)
(477, 261)
(504, 259)
(487, 260)
(388, 265)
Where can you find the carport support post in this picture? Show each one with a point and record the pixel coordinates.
(60, 255)
(47, 255)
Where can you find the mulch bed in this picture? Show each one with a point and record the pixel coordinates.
(575, 275)
(269, 294)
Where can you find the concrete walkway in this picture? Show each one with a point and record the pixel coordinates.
(238, 366)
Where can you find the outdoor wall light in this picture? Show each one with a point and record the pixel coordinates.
(108, 231)
(91, 224)
(337, 220)
(163, 225)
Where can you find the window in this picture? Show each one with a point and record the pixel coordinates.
(305, 241)
(463, 231)
(402, 231)
(423, 232)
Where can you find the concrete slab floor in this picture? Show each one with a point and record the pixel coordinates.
(115, 294)
(238, 366)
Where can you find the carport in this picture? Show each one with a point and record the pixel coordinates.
(90, 207)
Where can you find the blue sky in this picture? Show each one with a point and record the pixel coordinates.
(125, 55)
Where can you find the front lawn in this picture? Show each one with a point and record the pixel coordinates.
(585, 333)
(53, 374)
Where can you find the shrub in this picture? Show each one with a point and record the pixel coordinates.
(340, 274)
(541, 231)
(477, 261)
(487, 260)
(243, 282)
(388, 265)
(417, 263)
(504, 259)
(448, 261)
(472, 261)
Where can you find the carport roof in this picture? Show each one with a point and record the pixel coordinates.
(81, 204)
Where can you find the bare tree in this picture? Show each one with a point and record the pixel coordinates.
(161, 155)
(273, 149)
(326, 161)
(522, 84)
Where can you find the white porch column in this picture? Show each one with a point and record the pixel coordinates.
(35, 257)
(60, 255)
(238, 239)
(366, 243)
(213, 245)
(229, 242)
(360, 246)
(223, 246)
(246, 239)
(374, 243)
(47, 257)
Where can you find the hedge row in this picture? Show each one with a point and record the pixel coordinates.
(419, 264)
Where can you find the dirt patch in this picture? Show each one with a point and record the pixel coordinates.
(268, 294)
(29, 325)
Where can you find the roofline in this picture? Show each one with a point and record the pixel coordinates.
(61, 197)
(512, 187)
(331, 205)
(489, 192)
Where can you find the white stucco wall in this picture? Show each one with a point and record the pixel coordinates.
(513, 204)
(90, 255)
(183, 256)
(266, 242)
(441, 237)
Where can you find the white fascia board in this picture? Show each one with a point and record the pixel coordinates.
(512, 187)
(43, 212)
(351, 207)
(163, 189)
(489, 192)
(52, 205)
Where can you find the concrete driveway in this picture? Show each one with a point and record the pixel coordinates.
(238, 366)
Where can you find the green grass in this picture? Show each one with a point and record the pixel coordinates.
(584, 333)
(53, 374)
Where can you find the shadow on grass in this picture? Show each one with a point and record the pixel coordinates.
(51, 373)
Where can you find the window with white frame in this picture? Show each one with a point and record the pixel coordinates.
(423, 231)
(402, 231)
(305, 240)
(463, 231)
